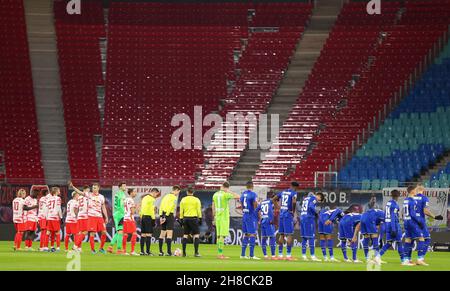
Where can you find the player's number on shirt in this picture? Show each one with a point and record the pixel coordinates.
(16, 206)
(388, 212)
(245, 203)
(406, 211)
(284, 200)
(265, 209)
(305, 205)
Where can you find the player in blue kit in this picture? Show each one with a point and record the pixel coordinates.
(413, 229)
(249, 221)
(392, 223)
(347, 227)
(423, 209)
(308, 224)
(265, 211)
(286, 200)
(369, 227)
(327, 218)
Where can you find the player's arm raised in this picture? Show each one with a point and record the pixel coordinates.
(75, 188)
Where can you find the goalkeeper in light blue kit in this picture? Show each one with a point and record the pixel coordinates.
(249, 221)
(308, 215)
(393, 228)
(327, 218)
(265, 211)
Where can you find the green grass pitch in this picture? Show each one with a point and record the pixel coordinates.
(10, 260)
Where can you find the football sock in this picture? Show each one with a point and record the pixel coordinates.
(148, 243)
(196, 244)
(365, 243)
(312, 248)
(133, 242)
(161, 242)
(330, 247)
(264, 246)
(169, 245)
(142, 243)
(102, 240)
(252, 246)
(244, 246)
(323, 247)
(124, 242)
(272, 244)
(184, 243)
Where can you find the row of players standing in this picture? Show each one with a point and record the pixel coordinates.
(415, 208)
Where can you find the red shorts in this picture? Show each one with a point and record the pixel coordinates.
(43, 224)
(129, 226)
(72, 228)
(20, 226)
(53, 225)
(31, 226)
(96, 224)
(83, 224)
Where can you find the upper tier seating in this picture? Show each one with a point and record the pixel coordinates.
(80, 67)
(19, 138)
(184, 53)
(385, 57)
(413, 137)
(262, 66)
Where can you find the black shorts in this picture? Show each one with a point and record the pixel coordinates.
(168, 224)
(147, 223)
(191, 226)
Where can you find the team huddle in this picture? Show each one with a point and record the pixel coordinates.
(86, 215)
(372, 225)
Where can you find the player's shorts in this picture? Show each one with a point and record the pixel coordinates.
(96, 224)
(325, 229)
(267, 230)
(31, 226)
(286, 225)
(191, 226)
(72, 228)
(147, 224)
(249, 225)
(368, 227)
(20, 226)
(222, 226)
(307, 227)
(169, 223)
(118, 223)
(412, 230)
(129, 226)
(83, 225)
(43, 224)
(53, 225)
(397, 237)
(346, 231)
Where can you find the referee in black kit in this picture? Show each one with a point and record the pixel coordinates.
(191, 219)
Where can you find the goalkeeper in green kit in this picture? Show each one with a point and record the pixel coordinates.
(118, 215)
(221, 213)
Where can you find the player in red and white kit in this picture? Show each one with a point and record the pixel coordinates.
(18, 206)
(82, 214)
(54, 216)
(129, 224)
(31, 219)
(97, 218)
(42, 216)
(72, 221)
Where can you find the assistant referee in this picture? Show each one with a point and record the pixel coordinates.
(191, 219)
(148, 220)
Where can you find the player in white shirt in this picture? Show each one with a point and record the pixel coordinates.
(82, 214)
(129, 224)
(31, 219)
(18, 206)
(54, 216)
(97, 216)
(42, 216)
(72, 221)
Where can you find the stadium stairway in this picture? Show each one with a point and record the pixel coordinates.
(308, 50)
(47, 90)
